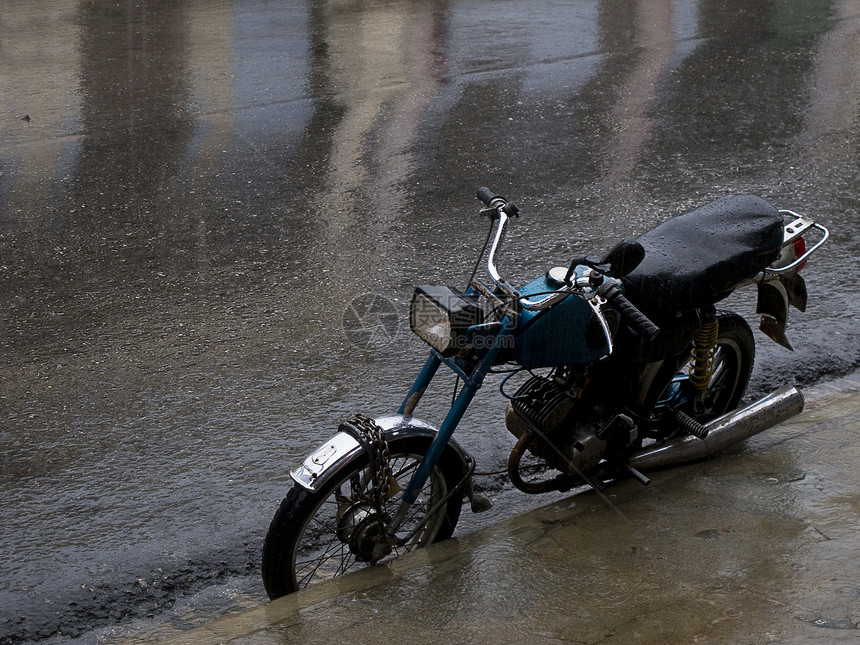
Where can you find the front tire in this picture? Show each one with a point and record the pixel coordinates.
(318, 535)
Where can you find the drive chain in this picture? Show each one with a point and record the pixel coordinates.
(374, 437)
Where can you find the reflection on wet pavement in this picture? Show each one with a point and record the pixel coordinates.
(191, 193)
(753, 547)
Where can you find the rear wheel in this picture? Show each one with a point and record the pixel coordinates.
(733, 363)
(318, 535)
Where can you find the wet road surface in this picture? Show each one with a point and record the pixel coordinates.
(754, 547)
(192, 193)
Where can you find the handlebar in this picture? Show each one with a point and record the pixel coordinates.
(487, 196)
(497, 202)
(502, 211)
(610, 290)
(498, 205)
(634, 318)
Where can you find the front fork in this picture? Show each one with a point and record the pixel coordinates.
(472, 383)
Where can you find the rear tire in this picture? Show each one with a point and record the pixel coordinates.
(318, 535)
(733, 363)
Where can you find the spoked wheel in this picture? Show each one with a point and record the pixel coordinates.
(733, 363)
(315, 536)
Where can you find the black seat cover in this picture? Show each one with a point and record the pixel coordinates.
(696, 259)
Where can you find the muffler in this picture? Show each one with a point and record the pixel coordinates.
(723, 432)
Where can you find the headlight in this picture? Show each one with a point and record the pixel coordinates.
(440, 316)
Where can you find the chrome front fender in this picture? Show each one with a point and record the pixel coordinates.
(338, 452)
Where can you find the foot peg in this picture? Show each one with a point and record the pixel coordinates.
(635, 474)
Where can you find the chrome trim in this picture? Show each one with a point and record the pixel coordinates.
(794, 230)
(497, 241)
(336, 453)
(723, 432)
(547, 301)
(796, 227)
(395, 424)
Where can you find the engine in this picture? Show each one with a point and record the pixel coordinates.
(567, 431)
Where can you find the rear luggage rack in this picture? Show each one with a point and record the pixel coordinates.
(794, 230)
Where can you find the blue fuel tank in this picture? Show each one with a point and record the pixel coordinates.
(568, 333)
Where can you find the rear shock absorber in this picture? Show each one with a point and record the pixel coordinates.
(704, 348)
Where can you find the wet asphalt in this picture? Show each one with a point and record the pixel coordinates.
(192, 194)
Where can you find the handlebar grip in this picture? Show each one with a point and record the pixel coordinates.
(634, 318)
(487, 196)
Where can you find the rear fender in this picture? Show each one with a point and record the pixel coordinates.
(775, 294)
(339, 452)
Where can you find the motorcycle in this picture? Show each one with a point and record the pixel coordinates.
(627, 367)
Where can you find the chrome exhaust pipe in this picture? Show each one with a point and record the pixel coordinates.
(724, 431)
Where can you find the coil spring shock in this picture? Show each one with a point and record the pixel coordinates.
(689, 424)
(704, 349)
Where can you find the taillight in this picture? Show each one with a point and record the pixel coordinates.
(799, 250)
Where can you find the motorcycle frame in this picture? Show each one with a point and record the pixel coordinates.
(343, 448)
(472, 381)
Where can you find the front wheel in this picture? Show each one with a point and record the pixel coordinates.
(317, 535)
